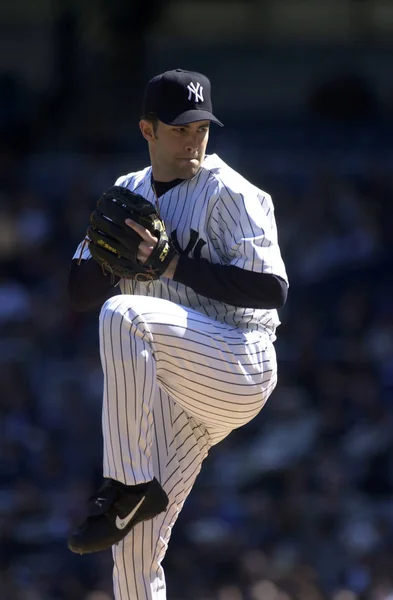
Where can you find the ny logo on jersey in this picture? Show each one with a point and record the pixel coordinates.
(197, 90)
(194, 245)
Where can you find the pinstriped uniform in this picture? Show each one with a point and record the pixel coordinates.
(181, 371)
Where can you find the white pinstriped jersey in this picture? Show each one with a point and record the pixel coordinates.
(220, 216)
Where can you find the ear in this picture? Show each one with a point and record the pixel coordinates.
(147, 130)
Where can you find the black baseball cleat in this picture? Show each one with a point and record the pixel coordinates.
(113, 511)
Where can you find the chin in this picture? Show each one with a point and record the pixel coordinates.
(189, 171)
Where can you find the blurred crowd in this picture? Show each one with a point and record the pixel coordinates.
(294, 506)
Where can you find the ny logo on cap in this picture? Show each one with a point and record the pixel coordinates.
(196, 90)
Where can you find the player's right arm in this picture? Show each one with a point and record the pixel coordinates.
(88, 286)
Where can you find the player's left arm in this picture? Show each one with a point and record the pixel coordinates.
(253, 243)
(232, 285)
(225, 283)
(255, 275)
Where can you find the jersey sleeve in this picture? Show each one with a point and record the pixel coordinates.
(122, 181)
(252, 238)
(82, 252)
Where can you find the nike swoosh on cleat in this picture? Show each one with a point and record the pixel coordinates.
(121, 523)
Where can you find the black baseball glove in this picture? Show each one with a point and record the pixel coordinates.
(114, 245)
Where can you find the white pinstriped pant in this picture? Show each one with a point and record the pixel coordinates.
(175, 383)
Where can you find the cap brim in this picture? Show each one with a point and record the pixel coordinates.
(192, 116)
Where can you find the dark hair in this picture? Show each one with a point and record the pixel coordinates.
(152, 118)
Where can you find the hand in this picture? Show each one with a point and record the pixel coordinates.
(147, 246)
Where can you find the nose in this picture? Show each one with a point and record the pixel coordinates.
(191, 142)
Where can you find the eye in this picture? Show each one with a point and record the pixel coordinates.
(179, 129)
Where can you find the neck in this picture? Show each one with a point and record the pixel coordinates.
(161, 187)
(159, 175)
(159, 178)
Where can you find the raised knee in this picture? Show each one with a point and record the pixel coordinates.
(125, 310)
(123, 314)
(115, 305)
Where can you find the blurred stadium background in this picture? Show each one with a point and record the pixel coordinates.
(297, 505)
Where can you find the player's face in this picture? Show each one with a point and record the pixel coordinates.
(178, 151)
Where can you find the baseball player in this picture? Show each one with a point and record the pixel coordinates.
(187, 354)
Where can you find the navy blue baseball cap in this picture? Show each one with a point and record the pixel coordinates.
(179, 97)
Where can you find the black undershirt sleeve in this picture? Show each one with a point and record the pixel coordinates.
(88, 287)
(232, 285)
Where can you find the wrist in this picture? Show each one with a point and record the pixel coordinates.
(171, 268)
